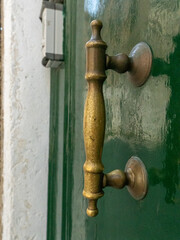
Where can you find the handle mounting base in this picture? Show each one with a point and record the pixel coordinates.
(137, 180)
(134, 177)
(141, 61)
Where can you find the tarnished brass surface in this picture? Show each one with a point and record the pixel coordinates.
(137, 180)
(116, 179)
(94, 120)
(134, 177)
(137, 64)
(120, 63)
(141, 61)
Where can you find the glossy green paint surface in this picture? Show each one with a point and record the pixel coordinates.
(143, 122)
(56, 155)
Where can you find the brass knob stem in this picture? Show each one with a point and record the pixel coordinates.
(116, 179)
(120, 63)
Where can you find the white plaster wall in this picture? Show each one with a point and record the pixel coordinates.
(26, 123)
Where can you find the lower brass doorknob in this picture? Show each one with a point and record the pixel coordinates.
(134, 177)
(138, 66)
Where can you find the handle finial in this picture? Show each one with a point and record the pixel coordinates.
(96, 27)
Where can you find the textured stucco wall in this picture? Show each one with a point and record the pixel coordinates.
(26, 123)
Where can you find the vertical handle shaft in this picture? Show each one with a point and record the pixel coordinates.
(94, 118)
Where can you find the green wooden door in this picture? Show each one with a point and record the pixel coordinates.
(144, 122)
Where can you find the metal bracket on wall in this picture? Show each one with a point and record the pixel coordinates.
(57, 1)
(52, 18)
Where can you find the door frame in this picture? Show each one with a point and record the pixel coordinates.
(61, 132)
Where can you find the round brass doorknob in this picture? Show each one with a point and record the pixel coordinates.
(134, 177)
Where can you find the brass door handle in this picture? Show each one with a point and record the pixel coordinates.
(138, 65)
